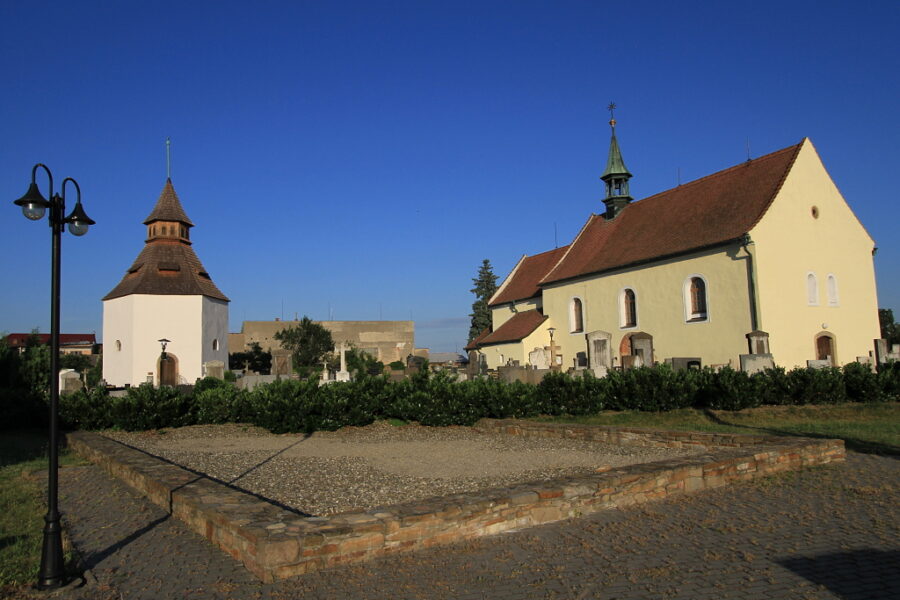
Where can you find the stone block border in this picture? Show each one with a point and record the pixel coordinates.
(276, 543)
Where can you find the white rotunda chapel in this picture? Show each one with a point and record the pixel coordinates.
(166, 294)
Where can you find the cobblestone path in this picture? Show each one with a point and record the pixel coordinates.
(829, 532)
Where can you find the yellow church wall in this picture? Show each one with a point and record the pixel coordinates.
(499, 354)
(503, 313)
(789, 243)
(661, 311)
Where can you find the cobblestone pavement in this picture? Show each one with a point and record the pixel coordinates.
(829, 532)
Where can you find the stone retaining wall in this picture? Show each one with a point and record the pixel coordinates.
(274, 542)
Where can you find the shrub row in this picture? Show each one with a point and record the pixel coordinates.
(437, 400)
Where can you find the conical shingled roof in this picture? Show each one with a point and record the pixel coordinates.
(167, 265)
(168, 207)
(615, 165)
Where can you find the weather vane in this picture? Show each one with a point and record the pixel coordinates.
(168, 158)
(612, 115)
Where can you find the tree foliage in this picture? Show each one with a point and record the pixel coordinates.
(307, 342)
(255, 359)
(485, 286)
(890, 330)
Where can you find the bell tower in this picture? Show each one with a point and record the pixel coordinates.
(616, 175)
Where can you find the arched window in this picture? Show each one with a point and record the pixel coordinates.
(832, 289)
(118, 345)
(215, 344)
(812, 289)
(695, 299)
(627, 308)
(576, 316)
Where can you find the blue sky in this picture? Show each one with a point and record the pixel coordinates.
(360, 159)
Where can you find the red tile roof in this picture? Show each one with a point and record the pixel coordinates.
(474, 343)
(18, 340)
(709, 211)
(520, 326)
(522, 283)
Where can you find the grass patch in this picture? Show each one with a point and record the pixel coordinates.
(872, 427)
(23, 505)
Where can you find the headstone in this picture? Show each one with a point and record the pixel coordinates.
(599, 355)
(343, 374)
(215, 368)
(600, 371)
(756, 363)
(69, 381)
(281, 361)
(539, 358)
(758, 341)
(642, 346)
(881, 351)
(581, 360)
(683, 363)
(325, 375)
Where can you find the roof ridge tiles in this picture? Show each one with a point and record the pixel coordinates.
(704, 213)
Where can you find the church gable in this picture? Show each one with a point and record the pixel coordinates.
(522, 283)
(714, 210)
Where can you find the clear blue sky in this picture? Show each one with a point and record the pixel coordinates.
(364, 157)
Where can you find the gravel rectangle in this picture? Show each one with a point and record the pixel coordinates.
(360, 468)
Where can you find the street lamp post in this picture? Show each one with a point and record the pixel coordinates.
(34, 205)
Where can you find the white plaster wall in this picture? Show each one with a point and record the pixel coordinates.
(215, 327)
(117, 324)
(140, 320)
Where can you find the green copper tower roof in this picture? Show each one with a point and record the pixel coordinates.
(614, 163)
(616, 175)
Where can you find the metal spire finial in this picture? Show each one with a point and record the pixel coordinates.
(168, 158)
(611, 108)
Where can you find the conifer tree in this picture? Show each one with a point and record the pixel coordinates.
(485, 286)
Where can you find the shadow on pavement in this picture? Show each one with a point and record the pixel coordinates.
(855, 575)
(231, 483)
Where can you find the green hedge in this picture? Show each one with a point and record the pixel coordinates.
(435, 399)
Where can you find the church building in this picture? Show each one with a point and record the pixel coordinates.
(763, 258)
(166, 320)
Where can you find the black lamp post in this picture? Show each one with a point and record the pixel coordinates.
(34, 205)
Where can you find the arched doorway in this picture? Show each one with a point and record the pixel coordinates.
(825, 348)
(167, 369)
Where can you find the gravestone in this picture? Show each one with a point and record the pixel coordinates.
(642, 347)
(539, 358)
(343, 374)
(758, 341)
(215, 368)
(599, 354)
(281, 361)
(69, 381)
(685, 363)
(756, 363)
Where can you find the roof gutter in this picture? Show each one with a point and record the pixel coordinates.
(642, 262)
